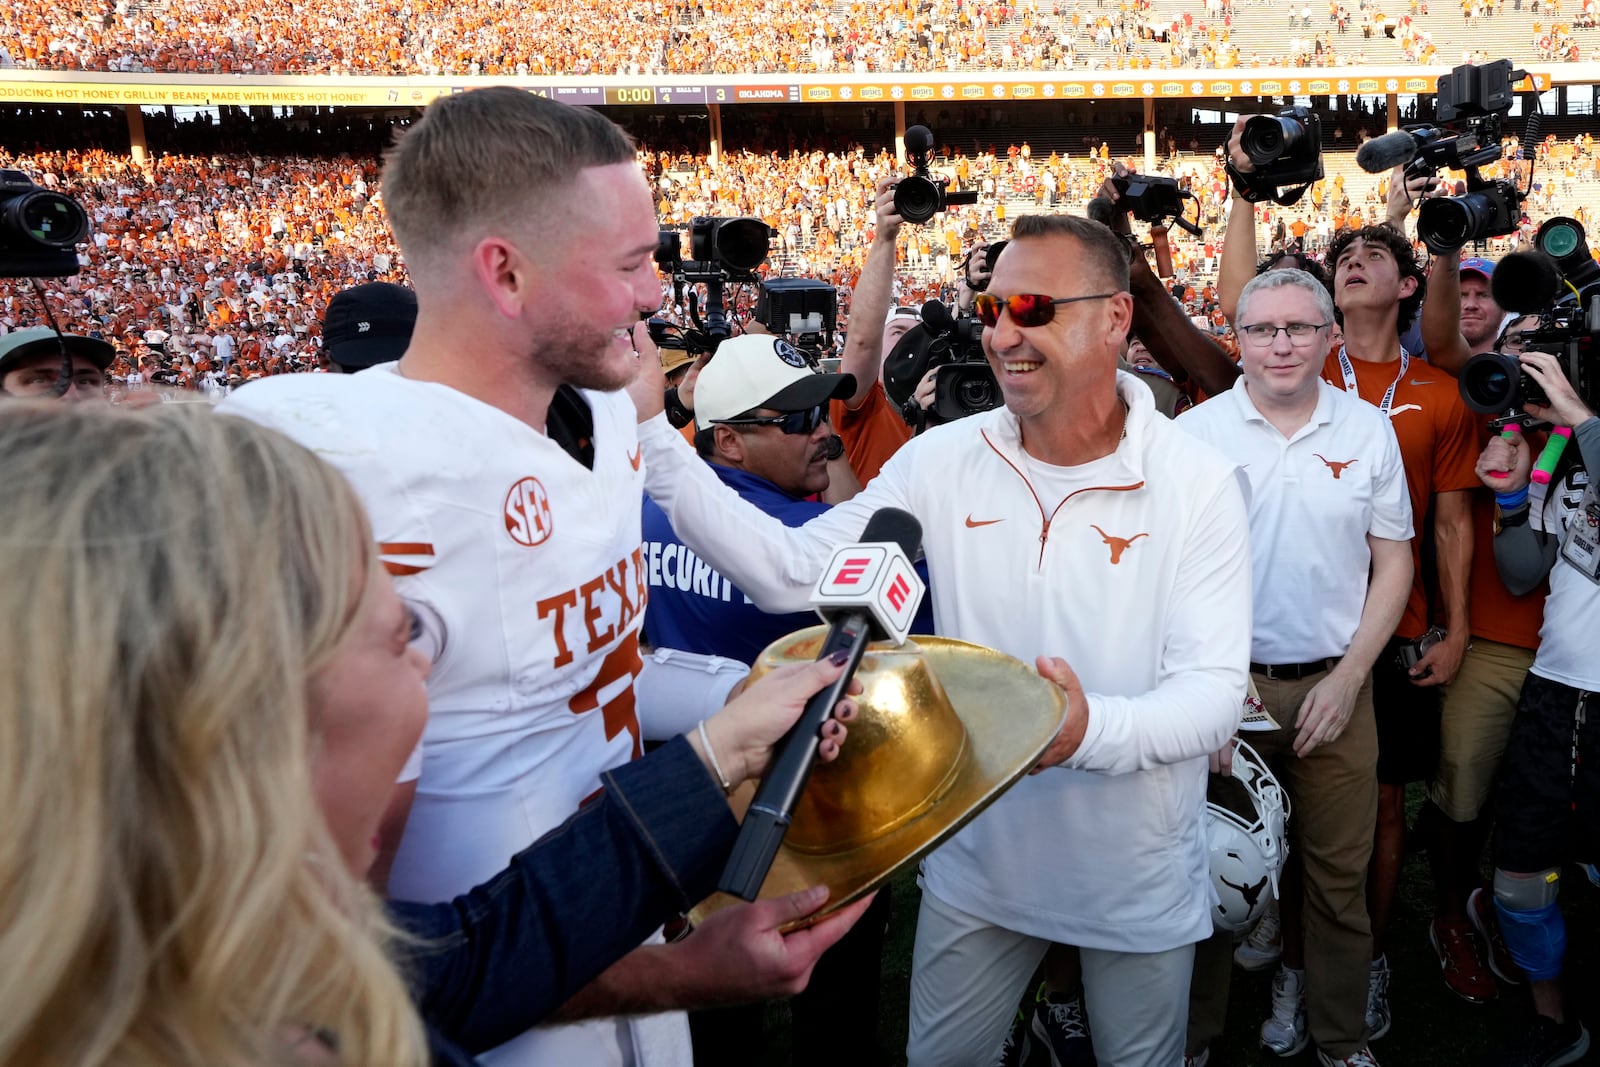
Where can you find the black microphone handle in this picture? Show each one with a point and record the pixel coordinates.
(767, 820)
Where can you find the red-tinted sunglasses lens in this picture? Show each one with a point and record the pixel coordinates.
(1027, 309)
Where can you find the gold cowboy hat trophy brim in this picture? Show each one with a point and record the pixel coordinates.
(945, 728)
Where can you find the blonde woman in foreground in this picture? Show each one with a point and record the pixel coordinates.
(207, 691)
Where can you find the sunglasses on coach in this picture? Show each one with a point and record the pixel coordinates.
(793, 422)
(1027, 309)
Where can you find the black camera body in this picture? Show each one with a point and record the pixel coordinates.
(1155, 200)
(1494, 383)
(721, 250)
(965, 384)
(1560, 282)
(39, 229)
(922, 196)
(1285, 149)
(1487, 209)
(803, 309)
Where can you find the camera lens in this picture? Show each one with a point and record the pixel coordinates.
(1451, 222)
(977, 391)
(742, 243)
(916, 199)
(1489, 382)
(1266, 137)
(48, 218)
(1560, 240)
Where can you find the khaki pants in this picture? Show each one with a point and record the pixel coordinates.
(1334, 796)
(1478, 708)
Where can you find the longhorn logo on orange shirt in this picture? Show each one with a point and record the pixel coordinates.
(1337, 468)
(1118, 545)
(528, 518)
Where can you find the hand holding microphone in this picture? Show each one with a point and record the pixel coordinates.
(868, 591)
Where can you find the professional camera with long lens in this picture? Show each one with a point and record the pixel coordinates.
(721, 250)
(1285, 150)
(964, 383)
(1472, 104)
(39, 229)
(1560, 282)
(922, 196)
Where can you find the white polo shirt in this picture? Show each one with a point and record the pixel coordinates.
(1314, 498)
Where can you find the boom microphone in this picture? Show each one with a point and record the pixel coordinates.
(1525, 282)
(1383, 154)
(868, 591)
(919, 140)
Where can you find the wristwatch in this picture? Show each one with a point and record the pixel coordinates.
(1517, 516)
(677, 414)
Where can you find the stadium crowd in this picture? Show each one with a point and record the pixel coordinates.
(569, 37)
(1455, 653)
(206, 270)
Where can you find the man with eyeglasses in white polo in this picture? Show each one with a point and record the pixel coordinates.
(1328, 503)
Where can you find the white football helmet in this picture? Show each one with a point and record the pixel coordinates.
(1247, 854)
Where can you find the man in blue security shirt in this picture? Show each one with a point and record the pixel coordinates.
(761, 423)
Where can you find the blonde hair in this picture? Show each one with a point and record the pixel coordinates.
(169, 892)
(490, 159)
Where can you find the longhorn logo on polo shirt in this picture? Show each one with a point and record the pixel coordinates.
(1118, 545)
(1337, 468)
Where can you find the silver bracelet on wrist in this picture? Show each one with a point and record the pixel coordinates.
(711, 754)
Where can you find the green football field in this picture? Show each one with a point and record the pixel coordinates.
(1432, 1027)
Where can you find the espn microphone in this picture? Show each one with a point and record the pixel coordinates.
(1382, 154)
(869, 591)
(1525, 282)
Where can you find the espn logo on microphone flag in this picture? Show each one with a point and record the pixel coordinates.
(875, 577)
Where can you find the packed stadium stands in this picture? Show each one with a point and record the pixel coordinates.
(453, 37)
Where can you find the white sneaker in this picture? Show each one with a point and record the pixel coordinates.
(1378, 999)
(1264, 946)
(1362, 1057)
(1285, 1033)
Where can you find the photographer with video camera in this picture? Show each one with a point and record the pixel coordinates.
(1547, 799)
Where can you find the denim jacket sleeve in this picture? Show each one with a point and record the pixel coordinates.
(499, 959)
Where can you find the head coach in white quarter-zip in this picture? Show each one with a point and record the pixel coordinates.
(1078, 529)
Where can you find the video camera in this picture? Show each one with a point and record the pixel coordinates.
(1285, 149)
(1156, 201)
(1472, 104)
(803, 309)
(964, 383)
(922, 196)
(1560, 282)
(39, 229)
(721, 250)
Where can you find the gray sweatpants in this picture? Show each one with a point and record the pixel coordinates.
(967, 976)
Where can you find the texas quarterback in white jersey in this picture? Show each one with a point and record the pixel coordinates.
(527, 564)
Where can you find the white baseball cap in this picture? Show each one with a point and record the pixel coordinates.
(761, 371)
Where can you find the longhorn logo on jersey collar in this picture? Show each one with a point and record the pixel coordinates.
(1118, 545)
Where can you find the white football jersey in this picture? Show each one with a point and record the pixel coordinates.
(528, 565)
